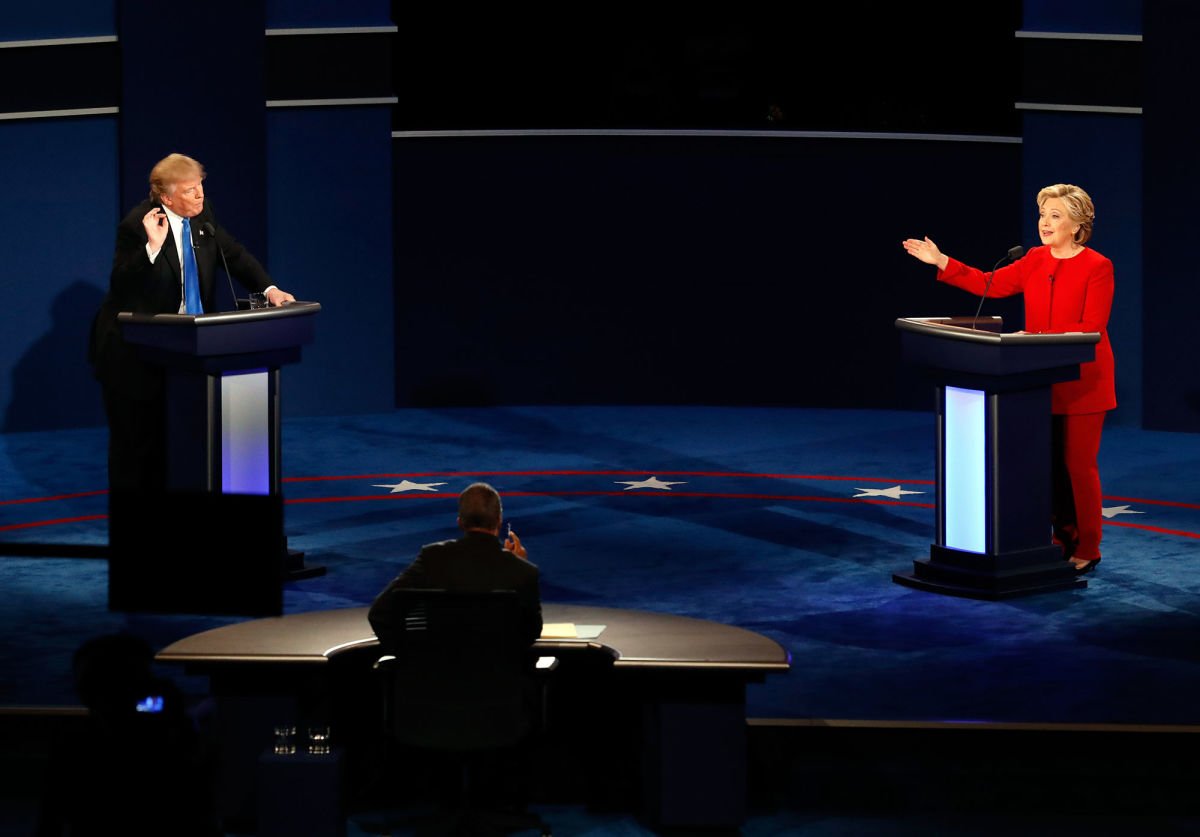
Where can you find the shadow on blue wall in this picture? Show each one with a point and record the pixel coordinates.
(52, 383)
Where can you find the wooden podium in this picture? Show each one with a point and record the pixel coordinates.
(214, 541)
(993, 538)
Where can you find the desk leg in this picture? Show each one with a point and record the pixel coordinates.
(245, 725)
(694, 755)
(250, 702)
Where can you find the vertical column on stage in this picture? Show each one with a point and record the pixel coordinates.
(993, 537)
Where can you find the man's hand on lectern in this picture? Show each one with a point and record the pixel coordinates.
(276, 297)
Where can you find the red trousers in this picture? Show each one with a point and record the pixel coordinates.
(1077, 498)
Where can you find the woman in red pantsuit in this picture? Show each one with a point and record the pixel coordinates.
(1067, 287)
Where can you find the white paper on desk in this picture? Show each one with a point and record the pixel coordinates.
(569, 630)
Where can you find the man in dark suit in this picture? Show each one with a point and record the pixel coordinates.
(476, 562)
(148, 277)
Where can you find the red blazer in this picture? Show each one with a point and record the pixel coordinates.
(1061, 295)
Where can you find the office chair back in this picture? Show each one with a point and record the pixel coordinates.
(460, 673)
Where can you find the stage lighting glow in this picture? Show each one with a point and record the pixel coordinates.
(151, 703)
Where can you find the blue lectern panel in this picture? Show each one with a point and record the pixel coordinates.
(246, 433)
(965, 469)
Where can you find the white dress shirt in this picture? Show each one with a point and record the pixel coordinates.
(176, 222)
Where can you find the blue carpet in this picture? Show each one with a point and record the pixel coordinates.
(766, 524)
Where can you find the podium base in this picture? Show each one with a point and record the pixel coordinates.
(294, 568)
(954, 572)
(195, 553)
(966, 592)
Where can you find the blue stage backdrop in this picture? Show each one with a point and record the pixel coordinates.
(1172, 377)
(1097, 146)
(1101, 153)
(330, 208)
(60, 185)
(1114, 16)
(329, 173)
(62, 19)
(683, 269)
(283, 14)
(58, 211)
(69, 179)
(602, 269)
(217, 115)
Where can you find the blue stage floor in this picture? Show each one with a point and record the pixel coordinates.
(789, 522)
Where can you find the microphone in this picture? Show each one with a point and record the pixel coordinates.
(208, 228)
(1013, 254)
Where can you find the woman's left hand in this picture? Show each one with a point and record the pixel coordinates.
(926, 251)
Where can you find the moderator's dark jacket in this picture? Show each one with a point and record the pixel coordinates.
(475, 563)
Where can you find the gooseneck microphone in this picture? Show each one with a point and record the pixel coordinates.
(1013, 254)
(209, 229)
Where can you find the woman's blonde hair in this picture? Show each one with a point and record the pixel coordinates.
(1079, 206)
(170, 170)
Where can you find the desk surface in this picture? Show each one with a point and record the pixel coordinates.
(633, 638)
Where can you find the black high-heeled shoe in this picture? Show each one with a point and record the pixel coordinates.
(1086, 567)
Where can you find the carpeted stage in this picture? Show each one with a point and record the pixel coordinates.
(789, 522)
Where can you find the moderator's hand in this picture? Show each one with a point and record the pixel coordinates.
(926, 251)
(156, 226)
(513, 544)
(276, 297)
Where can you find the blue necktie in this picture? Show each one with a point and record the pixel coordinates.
(191, 274)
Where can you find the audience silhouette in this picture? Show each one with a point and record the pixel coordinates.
(135, 765)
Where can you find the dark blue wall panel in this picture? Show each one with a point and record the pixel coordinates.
(1113, 17)
(58, 211)
(282, 14)
(330, 212)
(676, 269)
(22, 21)
(193, 83)
(1172, 376)
(574, 269)
(1101, 153)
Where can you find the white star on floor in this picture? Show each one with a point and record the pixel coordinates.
(653, 482)
(1113, 511)
(405, 485)
(892, 493)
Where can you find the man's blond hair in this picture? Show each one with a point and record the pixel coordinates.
(171, 170)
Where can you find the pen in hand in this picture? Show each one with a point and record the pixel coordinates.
(513, 544)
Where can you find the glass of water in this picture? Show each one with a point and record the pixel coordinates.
(318, 740)
(285, 740)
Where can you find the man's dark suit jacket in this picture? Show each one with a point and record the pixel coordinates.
(475, 563)
(133, 388)
(141, 287)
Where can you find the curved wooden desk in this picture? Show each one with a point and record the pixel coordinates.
(632, 638)
(674, 685)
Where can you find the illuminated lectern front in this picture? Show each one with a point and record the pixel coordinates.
(993, 538)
